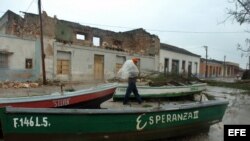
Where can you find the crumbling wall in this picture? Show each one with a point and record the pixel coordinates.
(136, 41)
(133, 42)
(143, 42)
(29, 26)
(15, 24)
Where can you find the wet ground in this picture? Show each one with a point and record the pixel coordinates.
(238, 112)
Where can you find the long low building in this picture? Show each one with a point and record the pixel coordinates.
(178, 60)
(217, 68)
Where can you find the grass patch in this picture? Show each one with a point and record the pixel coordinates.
(161, 77)
(236, 85)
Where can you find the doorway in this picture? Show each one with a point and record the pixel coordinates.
(98, 67)
(166, 66)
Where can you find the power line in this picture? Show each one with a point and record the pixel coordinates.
(30, 5)
(158, 30)
(198, 32)
(173, 31)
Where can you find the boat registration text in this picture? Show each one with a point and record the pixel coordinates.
(30, 122)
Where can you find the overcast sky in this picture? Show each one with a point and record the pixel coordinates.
(188, 24)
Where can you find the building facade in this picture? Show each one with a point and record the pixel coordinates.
(82, 53)
(74, 52)
(217, 68)
(178, 61)
(19, 59)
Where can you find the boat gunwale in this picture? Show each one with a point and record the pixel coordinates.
(164, 87)
(159, 95)
(58, 95)
(191, 105)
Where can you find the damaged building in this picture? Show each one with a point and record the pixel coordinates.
(73, 52)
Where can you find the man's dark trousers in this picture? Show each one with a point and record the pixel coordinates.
(132, 88)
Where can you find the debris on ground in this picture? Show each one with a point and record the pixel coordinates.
(15, 84)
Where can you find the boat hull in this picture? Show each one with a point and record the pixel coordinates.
(79, 99)
(94, 103)
(108, 124)
(148, 92)
(131, 136)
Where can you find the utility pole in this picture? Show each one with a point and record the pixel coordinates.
(249, 62)
(224, 68)
(206, 62)
(41, 39)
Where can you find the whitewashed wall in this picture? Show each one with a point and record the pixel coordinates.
(165, 54)
(19, 49)
(82, 62)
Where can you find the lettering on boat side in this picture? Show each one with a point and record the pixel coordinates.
(30, 122)
(61, 102)
(142, 121)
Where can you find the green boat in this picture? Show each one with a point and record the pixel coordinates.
(117, 124)
(156, 92)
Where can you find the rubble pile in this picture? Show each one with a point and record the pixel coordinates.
(10, 84)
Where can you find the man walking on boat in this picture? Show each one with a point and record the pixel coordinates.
(129, 70)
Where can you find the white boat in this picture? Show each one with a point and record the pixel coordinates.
(161, 91)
